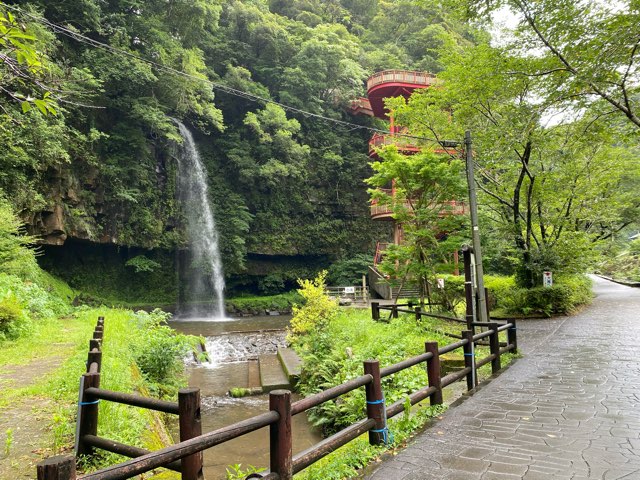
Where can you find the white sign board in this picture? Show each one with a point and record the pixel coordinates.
(441, 283)
(547, 279)
(349, 289)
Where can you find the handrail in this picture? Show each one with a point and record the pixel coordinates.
(329, 444)
(406, 76)
(403, 365)
(450, 207)
(329, 394)
(133, 400)
(161, 457)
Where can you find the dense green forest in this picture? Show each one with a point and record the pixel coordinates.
(288, 190)
(89, 145)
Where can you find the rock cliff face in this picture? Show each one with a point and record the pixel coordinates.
(75, 209)
(82, 203)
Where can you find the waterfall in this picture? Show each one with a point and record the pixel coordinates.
(205, 280)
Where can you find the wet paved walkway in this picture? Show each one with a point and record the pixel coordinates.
(570, 409)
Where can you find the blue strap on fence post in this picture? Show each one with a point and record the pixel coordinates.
(387, 435)
(89, 403)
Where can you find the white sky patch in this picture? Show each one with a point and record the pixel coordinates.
(503, 22)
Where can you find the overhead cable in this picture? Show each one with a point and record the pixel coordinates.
(214, 85)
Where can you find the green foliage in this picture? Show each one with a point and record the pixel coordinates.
(560, 299)
(26, 292)
(239, 392)
(13, 320)
(550, 191)
(624, 265)
(334, 354)
(281, 184)
(23, 67)
(349, 271)
(282, 303)
(570, 37)
(506, 297)
(142, 264)
(425, 184)
(16, 256)
(127, 337)
(316, 312)
(159, 351)
(105, 274)
(8, 441)
(237, 472)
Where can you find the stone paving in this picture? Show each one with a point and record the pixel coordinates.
(570, 409)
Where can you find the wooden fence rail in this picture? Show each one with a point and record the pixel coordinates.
(396, 309)
(187, 408)
(283, 464)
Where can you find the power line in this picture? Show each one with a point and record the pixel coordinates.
(214, 85)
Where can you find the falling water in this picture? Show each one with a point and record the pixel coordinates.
(205, 281)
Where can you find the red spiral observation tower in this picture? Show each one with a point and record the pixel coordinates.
(389, 84)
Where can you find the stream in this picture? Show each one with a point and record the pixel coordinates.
(234, 345)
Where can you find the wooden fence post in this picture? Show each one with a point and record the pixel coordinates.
(394, 311)
(512, 336)
(468, 287)
(98, 333)
(87, 413)
(95, 356)
(57, 468)
(494, 345)
(94, 343)
(280, 435)
(375, 310)
(190, 427)
(375, 403)
(418, 314)
(486, 296)
(433, 372)
(469, 358)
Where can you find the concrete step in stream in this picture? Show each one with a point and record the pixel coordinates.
(272, 376)
(253, 380)
(291, 364)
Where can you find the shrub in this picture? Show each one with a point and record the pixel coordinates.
(349, 271)
(13, 321)
(562, 298)
(452, 294)
(335, 353)
(159, 351)
(16, 258)
(568, 292)
(272, 284)
(282, 302)
(317, 311)
(141, 263)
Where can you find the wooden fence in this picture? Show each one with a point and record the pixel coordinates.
(87, 440)
(283, 464)
(418, 311)
(355, 293)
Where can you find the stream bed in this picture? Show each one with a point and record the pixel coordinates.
(233, 346)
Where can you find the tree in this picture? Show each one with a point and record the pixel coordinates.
(423, 187)
(588, 50)
(551, 190)
(23, 69)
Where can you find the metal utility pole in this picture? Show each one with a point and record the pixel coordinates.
(481, 311)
